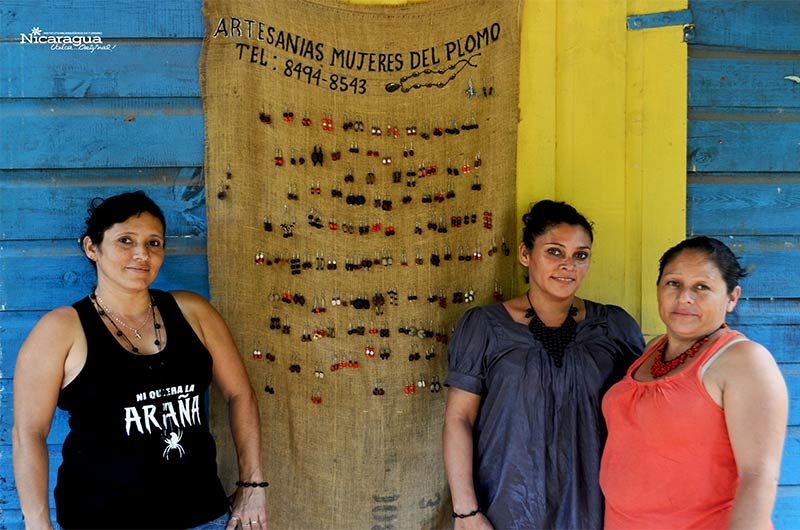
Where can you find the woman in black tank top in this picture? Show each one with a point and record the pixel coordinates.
(132, 366)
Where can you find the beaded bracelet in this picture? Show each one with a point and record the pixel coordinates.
(242, 484)
(474, 512)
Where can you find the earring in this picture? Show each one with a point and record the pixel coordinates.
(476, 183)
(498, 293)
(470, 91)
(317, 156)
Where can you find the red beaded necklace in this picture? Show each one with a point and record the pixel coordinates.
(662, 367)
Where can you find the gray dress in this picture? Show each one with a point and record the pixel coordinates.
(539, 433)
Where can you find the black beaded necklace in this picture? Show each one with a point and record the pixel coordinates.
(554, 340)
(103, 312)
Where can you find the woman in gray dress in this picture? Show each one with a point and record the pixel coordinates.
(523, 431)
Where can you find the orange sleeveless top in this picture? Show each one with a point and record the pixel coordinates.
(668, 462)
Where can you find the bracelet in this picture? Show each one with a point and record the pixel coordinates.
(242, 484)
(474, 512)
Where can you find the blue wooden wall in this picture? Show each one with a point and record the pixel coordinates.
(75, 125)
(744, 178)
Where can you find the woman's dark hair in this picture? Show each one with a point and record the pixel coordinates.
(546, 214)
(104, 213)
(716, 250)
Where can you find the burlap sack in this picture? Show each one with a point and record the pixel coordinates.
(297, 178)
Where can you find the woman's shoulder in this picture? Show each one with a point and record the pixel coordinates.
(747, 368)
(617, 323)
(64, 318)
(491, 314)
(189, 302)
(607, 312)
(744, 356)
(182, 297)
(197, 310)
(482, 321)
(57, 330)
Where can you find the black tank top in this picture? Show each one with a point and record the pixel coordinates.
(139, 453)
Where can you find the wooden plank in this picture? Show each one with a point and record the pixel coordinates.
(52, 204)
(791, 373)
(91, 133)
(12, 519)
(61, 274)
(768, 311)
(787, 508)
(719, 142)
(14, 327)
(58, 430)
(127, 18)
(790, 464)
(743, 204)
(8, 486)
(739, 80)
(758, 25)
(151, 68)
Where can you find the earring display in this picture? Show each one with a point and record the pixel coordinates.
(456, 230)
(367, 174)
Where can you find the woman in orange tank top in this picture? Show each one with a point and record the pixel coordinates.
(696, 427)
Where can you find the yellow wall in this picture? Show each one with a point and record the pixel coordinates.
(603, 127)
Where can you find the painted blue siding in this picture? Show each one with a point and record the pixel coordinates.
(76, 125)
(744, 178)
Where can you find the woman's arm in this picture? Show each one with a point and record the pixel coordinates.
(755, 400)
(38, 378)
(460, 413)
(231, 378)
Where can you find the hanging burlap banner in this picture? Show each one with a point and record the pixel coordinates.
(360, 176)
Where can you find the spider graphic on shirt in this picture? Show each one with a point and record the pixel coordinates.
(173, 443)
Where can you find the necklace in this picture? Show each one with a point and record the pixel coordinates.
(392, 87)
(554, 340)
(136, 331)
(662, 367)
(113, 319)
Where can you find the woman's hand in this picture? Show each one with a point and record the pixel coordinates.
(249, 510)
(476, 522)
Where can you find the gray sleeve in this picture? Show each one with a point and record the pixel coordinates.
(625, 333)
(467, 352)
